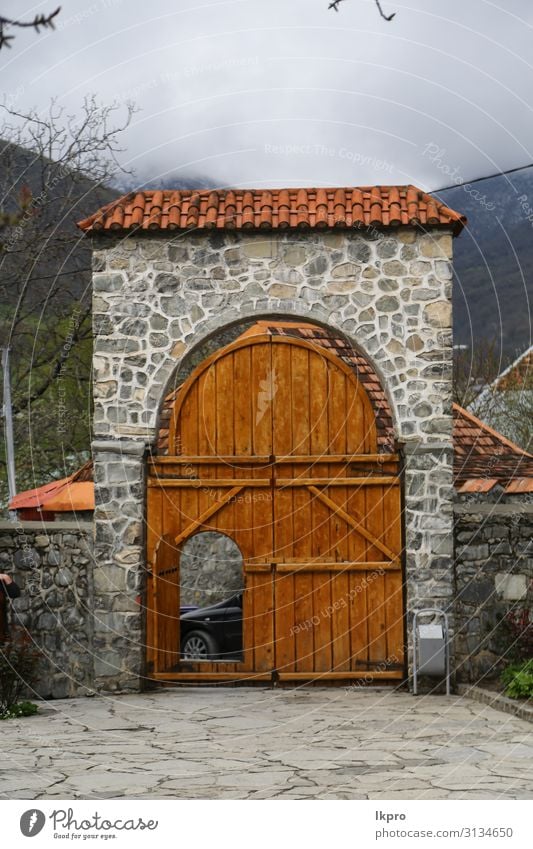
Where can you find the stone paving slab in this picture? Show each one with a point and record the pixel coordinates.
(236, 743)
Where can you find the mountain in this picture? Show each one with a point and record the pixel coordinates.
(493, 261)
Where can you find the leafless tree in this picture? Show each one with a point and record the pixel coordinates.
(335, 5)
(54, 170)
(38, 23)
(507, 408)
(474, 370)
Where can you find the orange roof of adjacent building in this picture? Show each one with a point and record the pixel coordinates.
(483, 458)
(75, 493)
(273, 209)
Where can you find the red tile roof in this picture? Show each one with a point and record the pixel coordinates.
(272, 209)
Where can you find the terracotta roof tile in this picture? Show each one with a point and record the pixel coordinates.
(264, 209)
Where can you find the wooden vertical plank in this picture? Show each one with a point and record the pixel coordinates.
(355, 419)
(319, 446)
(322, 629)
(284, 626)
(263, 621)
(340, 621)
(225, 393)
(242, 410)
(300, 391)
(391, 501)
(187, 425)
(166, 575)
(336, 410)
(376, 617)
(358, 621)
(303, 584)
(283, 400)
(283, 443)
(263, 388)
(394, 616)
(376, 585)
(303, 624)
(153, 534)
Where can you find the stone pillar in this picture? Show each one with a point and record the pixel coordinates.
(119, 564)
(429, 498)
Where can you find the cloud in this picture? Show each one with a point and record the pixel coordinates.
(265, 92)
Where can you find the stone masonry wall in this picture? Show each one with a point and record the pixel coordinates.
(52, 563)
(157, 299)
(493, 574)
(60, 578)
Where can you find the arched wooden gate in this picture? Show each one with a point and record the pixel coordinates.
(273, 441)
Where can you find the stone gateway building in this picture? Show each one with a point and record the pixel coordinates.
(179, 277)
(273, 425)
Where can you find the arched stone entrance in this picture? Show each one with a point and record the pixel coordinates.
(374, 265)
(274, 441)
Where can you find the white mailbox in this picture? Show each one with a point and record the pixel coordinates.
(431, 648)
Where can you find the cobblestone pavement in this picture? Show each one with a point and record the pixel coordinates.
(262, 744)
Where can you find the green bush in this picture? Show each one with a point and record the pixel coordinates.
(18, 668)
(20, 709)
(518, 680)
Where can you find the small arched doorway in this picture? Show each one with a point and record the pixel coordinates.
(274, 442)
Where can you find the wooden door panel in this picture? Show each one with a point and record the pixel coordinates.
(258, 620)
(244, 411)
(340, 621)
(264, 387)
(166, 603)
(276, 446)
(284, 623)
(304, 620)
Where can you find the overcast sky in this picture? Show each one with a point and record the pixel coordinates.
(285, 92)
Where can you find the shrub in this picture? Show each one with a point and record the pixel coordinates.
(20, 709)
(18, 669)
(518, 680)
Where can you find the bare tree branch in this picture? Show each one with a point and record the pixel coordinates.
(39, 22)
(335, 5)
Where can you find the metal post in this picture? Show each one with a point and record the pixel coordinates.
(7, 414)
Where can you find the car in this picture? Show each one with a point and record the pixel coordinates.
(214, 632)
